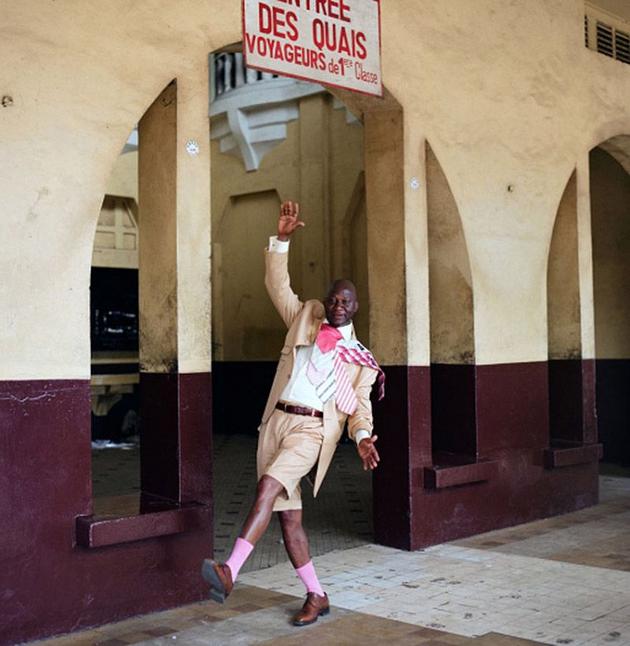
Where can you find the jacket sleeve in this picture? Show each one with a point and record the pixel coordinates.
(278, 286)
(361, 419)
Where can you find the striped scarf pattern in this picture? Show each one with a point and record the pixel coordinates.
(327, 372)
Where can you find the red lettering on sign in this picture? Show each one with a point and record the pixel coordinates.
(292, 30)
(360, 43)
(344, 10)
(337, 9)
(362, 75)
(250, 41)
(339, 39)
(277, 21)
(264, 18)
(344, 45)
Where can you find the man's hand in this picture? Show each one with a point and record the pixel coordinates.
(288, 221)
(368, 453)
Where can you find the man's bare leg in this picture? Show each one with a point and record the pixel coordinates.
(294, 536)
(296, 544)
(221, 576)
(257, 521)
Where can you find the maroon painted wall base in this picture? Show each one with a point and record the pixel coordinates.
(509, 485)
(402, 422)
(421, 496)
(51, 585)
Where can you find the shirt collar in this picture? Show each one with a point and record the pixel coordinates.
(346, 330)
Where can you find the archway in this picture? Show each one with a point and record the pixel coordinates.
(294, 140)
(275, 138)
(137, 386)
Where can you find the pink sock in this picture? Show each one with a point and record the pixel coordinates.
(309, 578)
(241, 550)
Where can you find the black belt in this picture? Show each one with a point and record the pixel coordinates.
(299, 410)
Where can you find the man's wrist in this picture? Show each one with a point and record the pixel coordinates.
(360, 435)
(278, 246)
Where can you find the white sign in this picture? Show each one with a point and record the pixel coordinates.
(336, 42)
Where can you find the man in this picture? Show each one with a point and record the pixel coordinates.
(324, 377)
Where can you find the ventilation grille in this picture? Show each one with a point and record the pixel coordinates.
(607, 39)
(622, 46)
(586, 30)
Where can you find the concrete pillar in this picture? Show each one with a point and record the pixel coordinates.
(175, 330)
(157, 195)
(585, 257)
(384, 160)
(563, 325)
(587, 299)
(194, 333)
(398, 421)
(314, 196)
(157, 192)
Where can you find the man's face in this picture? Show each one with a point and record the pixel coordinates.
(341, 303)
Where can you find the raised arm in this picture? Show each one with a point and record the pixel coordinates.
(277, 279)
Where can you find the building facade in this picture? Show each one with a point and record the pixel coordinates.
(492, 234)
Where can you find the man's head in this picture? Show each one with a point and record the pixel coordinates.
(341, 303)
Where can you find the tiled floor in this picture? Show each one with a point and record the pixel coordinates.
(597, 536)
(564, 580)
(524, 581)
(257, 616)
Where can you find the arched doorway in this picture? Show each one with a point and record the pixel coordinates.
(273, 139)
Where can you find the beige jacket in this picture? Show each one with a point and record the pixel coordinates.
(304, 321)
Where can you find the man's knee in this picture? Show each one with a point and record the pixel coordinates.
(268, 489)
(290, 519)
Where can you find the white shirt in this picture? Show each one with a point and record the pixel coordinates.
(300, 391)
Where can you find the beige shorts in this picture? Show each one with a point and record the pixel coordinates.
(288, 448)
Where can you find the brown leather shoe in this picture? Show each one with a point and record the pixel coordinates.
(314, 607)
(219, 576)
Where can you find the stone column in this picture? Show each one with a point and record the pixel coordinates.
(193, 286)
(157, 197)
(587, 302)
(314, 200)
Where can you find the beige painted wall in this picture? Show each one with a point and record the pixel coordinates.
(450, 283)
(123, 180)
(157, 278)
(320, 165)
(610, 207)
(506, 93)
(563, 291)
